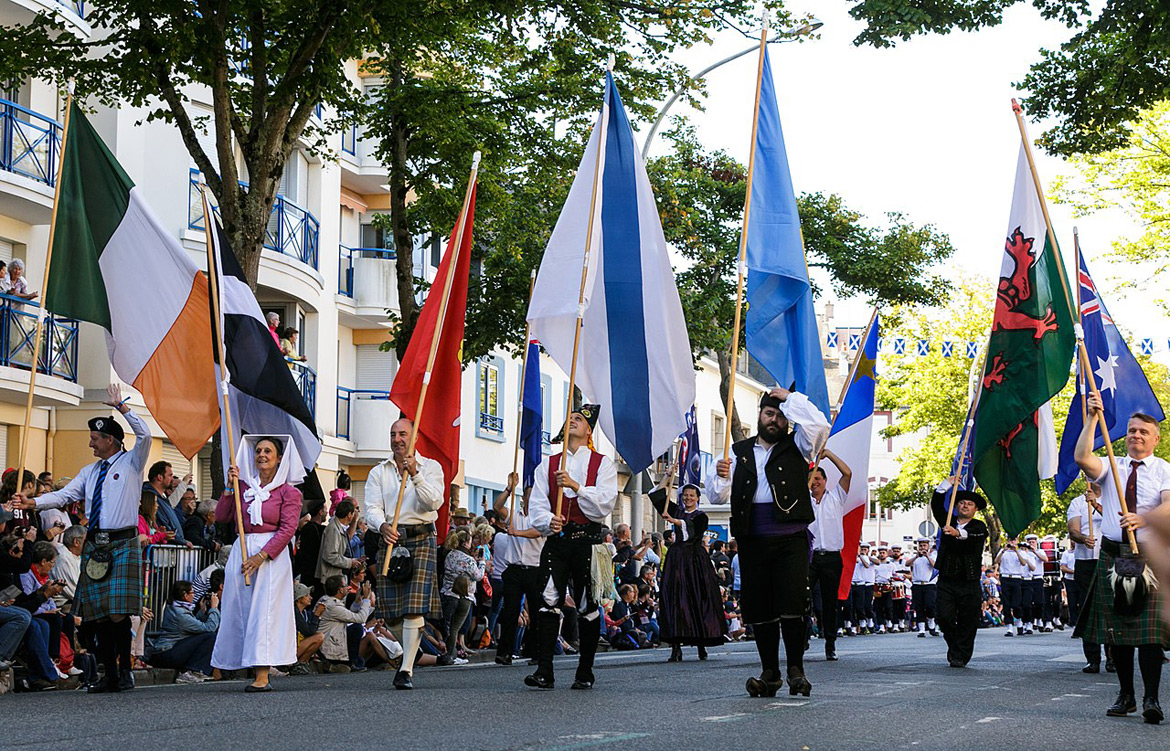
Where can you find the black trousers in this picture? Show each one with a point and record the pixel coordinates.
(517, 584)
(883, 609)
(1036, 596)
(565, 570)
(1051, 599)
(1083, 573)
(925, 599)
(959, 610)
(825, 570)
(1012, 589)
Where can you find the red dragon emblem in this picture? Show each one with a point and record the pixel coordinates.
(1006, 441)
(1015, 290)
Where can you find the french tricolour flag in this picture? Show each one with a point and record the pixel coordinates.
(850, 439)
(635, 355)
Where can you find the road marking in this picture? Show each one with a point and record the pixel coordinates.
(986, 720)
(778, 704)
(587, 741)
(724, 718)
(1070, 657)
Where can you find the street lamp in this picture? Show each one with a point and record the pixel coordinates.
(803, 30)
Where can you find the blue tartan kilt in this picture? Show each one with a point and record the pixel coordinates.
(120, 593)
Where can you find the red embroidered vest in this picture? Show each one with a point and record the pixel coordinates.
(570, 508)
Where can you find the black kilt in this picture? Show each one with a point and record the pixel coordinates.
(773, 576)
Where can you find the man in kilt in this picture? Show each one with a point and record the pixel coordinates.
(588, 483)
(767, 483)
(109, 587)
(425, 493)
(1145, 481)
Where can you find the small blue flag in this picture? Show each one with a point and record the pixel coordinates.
(690, 461)
(532, 418)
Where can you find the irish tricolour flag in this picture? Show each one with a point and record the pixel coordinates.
(850, 440)
(115, 265)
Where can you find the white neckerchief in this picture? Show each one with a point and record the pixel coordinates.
(258, 492)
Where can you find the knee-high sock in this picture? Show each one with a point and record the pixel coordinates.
(1150, 661)
(107, 647)
(768, 646)
(124, 638)
(412, 627)
(793, 630)
(1123, 661)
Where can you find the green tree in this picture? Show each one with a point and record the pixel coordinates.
(700, 200)
(1094, 86)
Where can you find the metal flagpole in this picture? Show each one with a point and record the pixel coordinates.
(520, 404)
(603, 126)
(39, 333)
(214, 276)
(740, 266)
(422, 397)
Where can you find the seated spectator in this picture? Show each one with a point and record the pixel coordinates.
(61, 625)
(199, 528)
(15, 561)
(337, 619)
(187, 635)
(150, 532)
(309, 636)
(14, 283)
(620, 629)
(735, 627)
(68, 566)
(14, 623)
(645, 610)
(461, 572)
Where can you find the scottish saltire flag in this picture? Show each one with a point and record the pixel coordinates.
(1147, 346)
(899, 346)
(948, 349)
(832, 339)
(690, 462)
(849, 440)
(972, 349)
(781, 326)
(532, 415)
(923, 348)
(1123, 385)
(635, 354)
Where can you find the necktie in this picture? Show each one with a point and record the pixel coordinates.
(95, 512)
(1131, 488)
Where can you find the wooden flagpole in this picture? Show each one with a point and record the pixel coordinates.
(43, 311)
(214, 276)
(1080, 369)
(741, 264)
(438, 335)
(603, 126)
(1082, 352)
(520, 404)
(845, 389)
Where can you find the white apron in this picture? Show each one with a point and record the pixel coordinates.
(257, 626)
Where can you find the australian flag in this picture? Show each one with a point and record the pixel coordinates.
(690, 463)
(1119, 377)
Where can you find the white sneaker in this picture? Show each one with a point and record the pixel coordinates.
(60, 675)
(276, 672)
(75, 670)
(460, 661)
(187, 677)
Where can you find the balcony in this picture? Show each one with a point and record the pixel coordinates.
(24, 12)
(489, 423)
(57, 364)
(364, 417)
(30, 149)
(367, 285)
(292, 231)
(362, 170)
(306, 380)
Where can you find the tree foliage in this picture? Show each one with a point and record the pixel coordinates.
(1094, 86)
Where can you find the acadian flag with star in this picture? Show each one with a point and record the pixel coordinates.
(1028, 361)
(116, 266)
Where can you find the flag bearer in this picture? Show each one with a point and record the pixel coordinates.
(960, 564)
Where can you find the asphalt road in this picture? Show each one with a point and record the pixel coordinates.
(886, 692)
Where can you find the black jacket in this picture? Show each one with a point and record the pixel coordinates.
(787, 474)
(958, 560)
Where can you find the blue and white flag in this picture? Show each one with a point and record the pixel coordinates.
(899, 346)
(531, 415)
(635, 354)
(690, 462)
(781, 325)
(1119, 377)
(948, 348)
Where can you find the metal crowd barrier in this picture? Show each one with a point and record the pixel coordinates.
(165, 565)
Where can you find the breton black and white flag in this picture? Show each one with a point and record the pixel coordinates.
(263, 393)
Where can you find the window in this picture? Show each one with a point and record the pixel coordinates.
(874, 508)
(489, 382)
(718, 433)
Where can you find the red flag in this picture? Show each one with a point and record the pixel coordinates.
(438, 427)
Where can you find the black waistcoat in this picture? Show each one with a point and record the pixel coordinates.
(787, 474)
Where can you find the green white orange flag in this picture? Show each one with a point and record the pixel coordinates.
(1028, 362)
(116, 266)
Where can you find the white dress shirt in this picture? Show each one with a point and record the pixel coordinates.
(424, 496)
(1068, 560)
(884, 571)
(1012, 566)
(122, 489)
(826, 527)
(868, 570)
(523, 551)
(1079, 509)
(811, 431)
(922, 571)
(596, 501)
(1153, 478)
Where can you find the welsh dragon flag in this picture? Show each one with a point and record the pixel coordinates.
(1028, 362)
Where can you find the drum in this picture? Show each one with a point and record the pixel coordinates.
(882, 590)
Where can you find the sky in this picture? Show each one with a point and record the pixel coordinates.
(925, 128)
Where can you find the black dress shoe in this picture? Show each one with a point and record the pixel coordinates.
(103, 686)
(797, 683)
(503, 659)
(1152, 711)
(126, 680)
(444, 660)
(1109, 666)
(580, 685)
(250, 689)
(1092, 667)
(765, 686)
(1124, 705)
(402, 681)
(538, 680)
(830, 653)
(675, 653)
(955, 662)
(702, 652)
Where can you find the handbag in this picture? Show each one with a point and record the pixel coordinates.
(401, 565)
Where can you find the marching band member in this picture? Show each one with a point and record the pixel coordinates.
(923, 576)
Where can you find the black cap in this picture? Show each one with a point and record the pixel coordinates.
(109, 426)
(589, 411)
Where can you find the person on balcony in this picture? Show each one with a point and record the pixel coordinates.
(273, 319)
(14, 284)
(288, 346)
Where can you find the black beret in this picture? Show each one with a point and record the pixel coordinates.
(109, 426)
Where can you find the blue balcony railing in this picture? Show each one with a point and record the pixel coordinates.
(346, 398)
(491, 423)
(30, 143)
(349, 140)
(18, 323)
(77, 6)
(306, 379)
(345, 269)
(292, 230)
